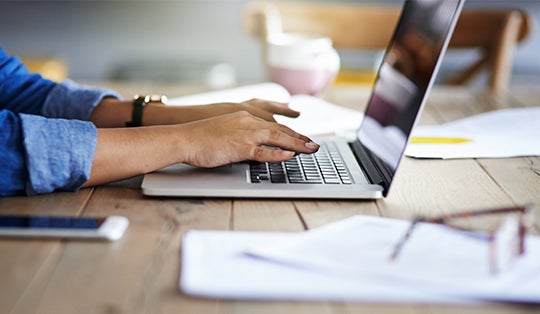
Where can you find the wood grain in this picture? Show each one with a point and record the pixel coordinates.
(140, 272)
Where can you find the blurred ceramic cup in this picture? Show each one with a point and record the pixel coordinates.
(303, 64)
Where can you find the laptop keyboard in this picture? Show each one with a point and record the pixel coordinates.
(324, 167)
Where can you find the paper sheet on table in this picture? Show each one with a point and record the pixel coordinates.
(317, 116)
(496, 134)
(214, 265)
(436, 259)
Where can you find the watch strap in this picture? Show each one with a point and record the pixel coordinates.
(139, 102)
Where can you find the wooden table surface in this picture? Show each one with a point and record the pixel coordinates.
(139, 273)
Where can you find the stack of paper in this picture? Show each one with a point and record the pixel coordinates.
(349, 260)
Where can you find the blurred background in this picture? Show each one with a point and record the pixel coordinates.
(199, 41)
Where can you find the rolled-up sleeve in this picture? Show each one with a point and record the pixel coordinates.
(46, 140)
(58, 153)
(70, 100)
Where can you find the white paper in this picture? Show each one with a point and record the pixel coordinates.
(436, 259)
(269, 91)
(214, 265)
(317, 116)
(348, 261)
(495, 134)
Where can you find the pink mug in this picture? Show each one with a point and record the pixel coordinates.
(303, 64)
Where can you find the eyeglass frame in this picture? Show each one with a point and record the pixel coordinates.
(526, 212)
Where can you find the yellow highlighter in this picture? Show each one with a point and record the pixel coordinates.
(439, 140)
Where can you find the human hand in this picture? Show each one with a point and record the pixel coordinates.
(156, 114)
(261, 108)
(237, 137)
(126, 152)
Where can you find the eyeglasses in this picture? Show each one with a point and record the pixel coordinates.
(506, 241)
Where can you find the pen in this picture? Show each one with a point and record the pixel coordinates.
(439, 140)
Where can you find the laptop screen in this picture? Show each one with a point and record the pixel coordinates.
(405, 77)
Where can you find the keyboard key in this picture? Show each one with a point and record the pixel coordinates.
(323, 167)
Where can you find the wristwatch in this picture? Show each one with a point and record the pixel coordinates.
(139, 102)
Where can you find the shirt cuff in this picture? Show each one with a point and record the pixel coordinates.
(59, 153)
(69, 100)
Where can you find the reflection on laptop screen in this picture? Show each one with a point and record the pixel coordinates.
(405, 77)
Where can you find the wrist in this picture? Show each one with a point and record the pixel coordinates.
(111, 113)
(138, 107)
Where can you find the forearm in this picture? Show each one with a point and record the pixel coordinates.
(112, 113)
(126, 152)
(115, 113)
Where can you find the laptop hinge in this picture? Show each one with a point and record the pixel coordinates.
(376, 170)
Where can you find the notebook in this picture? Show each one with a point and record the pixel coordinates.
(359, 169)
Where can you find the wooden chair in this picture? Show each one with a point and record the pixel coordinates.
(493, 33)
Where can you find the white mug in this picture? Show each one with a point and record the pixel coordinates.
(303, 64)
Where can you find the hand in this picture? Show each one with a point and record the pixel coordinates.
(237, 137)
(125, 152)
(156, 114)
(258, 107)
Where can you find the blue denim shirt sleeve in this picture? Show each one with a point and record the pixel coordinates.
(41, 155)
(13, 173)
(45, 144)
(58, 153)
(69, 100)
(21, 90)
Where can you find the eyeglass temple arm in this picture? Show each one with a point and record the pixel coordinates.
(442, 219)
(404, 239)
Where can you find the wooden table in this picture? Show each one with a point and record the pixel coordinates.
(139, 273)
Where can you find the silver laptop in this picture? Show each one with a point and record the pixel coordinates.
(363, 168)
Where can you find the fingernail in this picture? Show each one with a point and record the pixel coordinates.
(287, 154)
(312, 145)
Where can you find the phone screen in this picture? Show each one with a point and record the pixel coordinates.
(48, 222)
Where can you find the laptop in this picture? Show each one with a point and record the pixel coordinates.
(360, 169)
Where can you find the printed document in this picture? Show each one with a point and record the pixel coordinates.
(496, 134)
